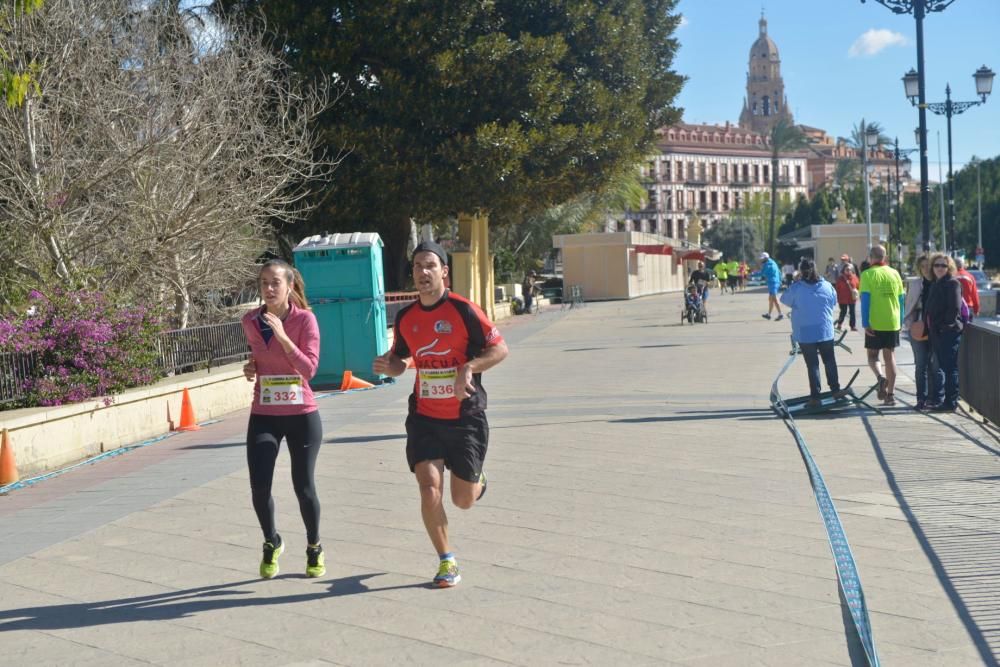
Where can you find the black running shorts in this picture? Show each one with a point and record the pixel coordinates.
(882, 340)
(461, 443)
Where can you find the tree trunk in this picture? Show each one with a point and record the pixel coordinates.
(774, 205)
(51, 242)
(182, 295)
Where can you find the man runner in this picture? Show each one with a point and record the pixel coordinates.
(882, 297)
(450, 342)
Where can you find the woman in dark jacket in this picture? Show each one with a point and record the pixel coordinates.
(943, 316)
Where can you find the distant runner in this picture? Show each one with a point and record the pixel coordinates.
(451, 343)
(772, 275)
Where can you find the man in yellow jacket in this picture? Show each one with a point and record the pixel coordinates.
(722, 273)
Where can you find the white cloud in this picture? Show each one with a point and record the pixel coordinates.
(875, 40)
(683, 22)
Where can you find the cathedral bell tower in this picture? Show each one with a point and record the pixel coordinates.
(765, 103)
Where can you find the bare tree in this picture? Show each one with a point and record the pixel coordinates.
(153, 153)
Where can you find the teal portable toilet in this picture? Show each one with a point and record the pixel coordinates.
(346, 289)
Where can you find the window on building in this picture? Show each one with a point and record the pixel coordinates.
(668, 200)
(746, 173)
(767, 105)
(756, 173)
(715, 201)
(702, 200)
(680, 171)
(736, 200)
(725, 173)
(725, 200)
(714, 172)
(703, 171)
(798, 174)
(767, 173)
(666, 171)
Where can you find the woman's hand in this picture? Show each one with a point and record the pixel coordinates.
(250, 370)
(277, 326)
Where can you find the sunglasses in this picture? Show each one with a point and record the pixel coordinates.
(940, 266)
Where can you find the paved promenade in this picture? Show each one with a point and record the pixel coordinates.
(645, 508)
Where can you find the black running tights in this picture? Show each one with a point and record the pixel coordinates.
(304, 435)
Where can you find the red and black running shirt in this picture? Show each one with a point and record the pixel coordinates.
(440, 338)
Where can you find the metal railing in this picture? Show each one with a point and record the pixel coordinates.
(183, 350)
(978, 367)
(15, 369)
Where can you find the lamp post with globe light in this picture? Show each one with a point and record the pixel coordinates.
(919, 9)
(984, 86)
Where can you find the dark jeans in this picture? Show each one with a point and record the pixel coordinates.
(945, 346)
(844, 309)
(930, 386)
(811, 352)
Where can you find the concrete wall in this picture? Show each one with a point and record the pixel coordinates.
(607, 266)
(835, 240)
(45, 439)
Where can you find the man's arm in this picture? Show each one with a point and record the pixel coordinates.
(487, 359)
(389, 364)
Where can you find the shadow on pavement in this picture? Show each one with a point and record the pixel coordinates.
(955, 543)
(635, 347)
(742, 415)
(217, 445)
(176, 604)
(363, 438)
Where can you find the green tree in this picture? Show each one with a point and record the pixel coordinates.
(735, 238)
(504, 107)
(784, 139)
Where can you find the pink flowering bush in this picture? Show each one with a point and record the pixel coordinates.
(84, 344)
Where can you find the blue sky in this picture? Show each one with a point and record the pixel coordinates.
(833, 86)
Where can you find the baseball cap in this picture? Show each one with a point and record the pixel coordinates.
(431, 246)
(764, 255)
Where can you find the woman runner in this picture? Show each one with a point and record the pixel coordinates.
(284, 344)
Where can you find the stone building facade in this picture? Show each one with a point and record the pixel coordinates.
(713, 171)
(765, 103)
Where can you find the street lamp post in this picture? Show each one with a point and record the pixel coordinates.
(869, 139)
(948, 108)
(919, 8)
(979, 217)
(897, 153)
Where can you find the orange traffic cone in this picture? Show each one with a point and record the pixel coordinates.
(8, 469)
(351, 382)
(188, 421)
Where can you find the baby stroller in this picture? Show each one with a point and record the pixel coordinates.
(694, 304)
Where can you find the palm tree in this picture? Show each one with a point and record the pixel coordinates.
(784, 138)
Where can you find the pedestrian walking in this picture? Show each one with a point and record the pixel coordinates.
(528, 288)
(847, 296)
(700, 278)
(831, 273)
(721, 270)
(945, 317)
(881, 305)
(284, 345)
(772, 275)
(930, 391)
(788, 270)
(744, 273)
(812, 300)
(451, 343)
(970, 293)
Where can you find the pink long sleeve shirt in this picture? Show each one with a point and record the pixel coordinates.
(272, 360)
